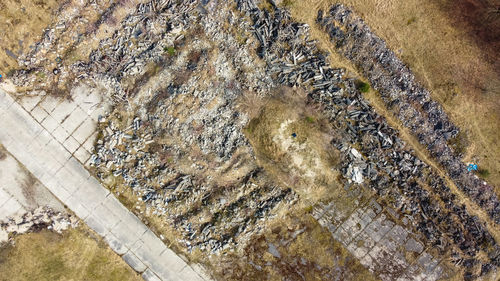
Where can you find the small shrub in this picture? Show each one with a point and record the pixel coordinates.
(411, 20)
(459, 144)
(287, 3)
(483, 173)
(310, 119)
(362, 86)
(170, 50)
(308, 209)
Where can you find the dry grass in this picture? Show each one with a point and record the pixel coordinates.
(443, 57)
(306, 162)
(22, 24)
(77, 254)
(307, 252)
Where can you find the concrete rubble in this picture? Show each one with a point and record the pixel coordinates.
(155, 126)
(393, 169)
(35, 220)
(406, 98)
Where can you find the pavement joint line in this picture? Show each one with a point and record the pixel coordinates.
(24, 124)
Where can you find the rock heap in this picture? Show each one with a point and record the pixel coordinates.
(35, 220)
(385, 162)
(406, 98)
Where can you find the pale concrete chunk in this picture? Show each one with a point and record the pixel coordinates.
(29, 102)
(98, 112)
(82, 155)
(149, 275)
(71, 144)
(49, 103)
(134, 262)
(60, 134)
(74, 120)
(39, 114)
(115, 244)
(85, 130)
(50, 124)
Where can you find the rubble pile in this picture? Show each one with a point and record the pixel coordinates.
(177, 132)
(142, 143)
(406, 98)
(372, 152)
(35, 220)
(209, 217)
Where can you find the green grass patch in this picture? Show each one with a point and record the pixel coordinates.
(170, 50)
(362, 86)
(310, 119)
(411, 20)
(483, 173)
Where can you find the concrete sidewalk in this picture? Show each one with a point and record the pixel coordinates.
(54, 164)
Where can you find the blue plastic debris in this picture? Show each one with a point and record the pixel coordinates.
(472, 167)
(294, 135)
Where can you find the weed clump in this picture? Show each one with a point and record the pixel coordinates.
(459, 143)
(287, 3)
(170, 50)
(483, 173)
(310, 119)
(362, 86)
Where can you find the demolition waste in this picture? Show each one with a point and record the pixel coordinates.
(174, 72)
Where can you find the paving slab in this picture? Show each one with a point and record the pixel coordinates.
(50, 124)
(75, 118)
(149, 275)
(29, 102)
(39, 114)
(115, 244)
(85, 130)
(82, 155)
(68, 180)
(134, 262)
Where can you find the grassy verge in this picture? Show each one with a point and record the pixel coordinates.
(77, 254)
